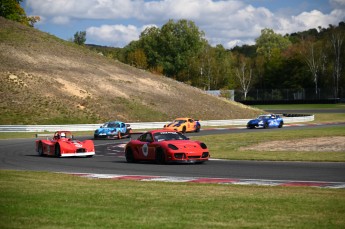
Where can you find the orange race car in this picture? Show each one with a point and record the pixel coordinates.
(184, 125)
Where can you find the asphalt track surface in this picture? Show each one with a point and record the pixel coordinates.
(19, 154)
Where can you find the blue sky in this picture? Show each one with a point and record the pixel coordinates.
(228, 22)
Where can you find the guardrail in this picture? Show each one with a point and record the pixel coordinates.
(135, 126)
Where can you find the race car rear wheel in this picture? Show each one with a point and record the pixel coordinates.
(265, 125)
(57, 150)
(160, 156)
(129, 155)
(184, 129)
(40, 149)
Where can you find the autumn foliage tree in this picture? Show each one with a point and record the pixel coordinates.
(12, 10)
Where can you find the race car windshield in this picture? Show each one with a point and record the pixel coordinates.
(261, 117)
(63, 135)
(180, 121)
(168, 136)
(112, 125)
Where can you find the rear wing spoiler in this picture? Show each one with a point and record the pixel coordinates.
(44, 135)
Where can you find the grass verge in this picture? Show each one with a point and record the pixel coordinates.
(227, 146)
(301, 106)
(46, 200)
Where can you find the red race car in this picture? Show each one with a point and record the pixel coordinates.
(165, 146)
(63, 145)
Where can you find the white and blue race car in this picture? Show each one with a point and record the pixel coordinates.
(266, 121)
(113, 130)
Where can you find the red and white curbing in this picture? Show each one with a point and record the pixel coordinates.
(234, 181)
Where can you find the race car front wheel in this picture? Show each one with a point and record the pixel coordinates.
(119, 136)
(40, 149)
(57, 150)
(280, 125)
(160, 157)
(129, 155)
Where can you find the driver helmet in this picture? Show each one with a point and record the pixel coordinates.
(63, 135)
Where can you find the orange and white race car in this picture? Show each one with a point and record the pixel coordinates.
(184, 125)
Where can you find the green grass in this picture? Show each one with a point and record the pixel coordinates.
(46, 200)
(329, 117)
(226, 146)
(11, 135)
(301, 106)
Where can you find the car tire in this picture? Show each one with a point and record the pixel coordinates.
(160, 156)
(129, 133)
(119, 136)
(57, 150)
(265, 125)
(40, 149)
(129, 155)
(281, 124)
(184, 129)
(198, 127)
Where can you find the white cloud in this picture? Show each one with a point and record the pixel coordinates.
(226, 22)
(118, 35)
(60, 20)
(337, 4)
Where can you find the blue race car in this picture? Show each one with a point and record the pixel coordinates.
(266, 121)
(114, 130)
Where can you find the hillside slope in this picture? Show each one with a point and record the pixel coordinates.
(46, 80)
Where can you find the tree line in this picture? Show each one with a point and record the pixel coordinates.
(179, 50)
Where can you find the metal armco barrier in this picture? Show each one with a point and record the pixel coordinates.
(136, 126)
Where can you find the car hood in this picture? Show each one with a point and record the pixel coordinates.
(184, 144)
(104, 130)
(254, 121)
(173, 124)
(73, 143)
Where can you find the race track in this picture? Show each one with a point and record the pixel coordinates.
(19, 154)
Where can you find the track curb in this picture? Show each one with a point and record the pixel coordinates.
(205, 180)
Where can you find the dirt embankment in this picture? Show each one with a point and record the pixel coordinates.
(44, 79)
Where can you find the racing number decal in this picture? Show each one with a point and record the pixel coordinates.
(77, 145)
(145, 150)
